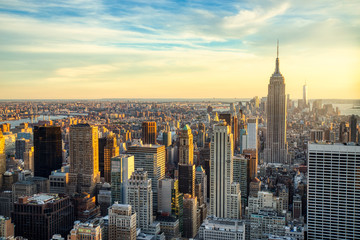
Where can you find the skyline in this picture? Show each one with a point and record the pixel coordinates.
(99, 49)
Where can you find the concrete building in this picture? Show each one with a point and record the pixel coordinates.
(266, 223)
(43, 215)
(85, 231)
(84, 159)
(186, 148)
(59, 181)
(222, 229)
(6, 228)
(140, 198)
(333, 197)
(150, 158)
(190, 216)
(201, 177)
(122, 167)
(166, 188)
(241, 170)
(122, 222)
(221, 173)
(110, 150)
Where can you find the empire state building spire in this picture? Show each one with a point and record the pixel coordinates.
(277, 70)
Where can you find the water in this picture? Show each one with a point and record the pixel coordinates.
(15, 123)
(347, 109)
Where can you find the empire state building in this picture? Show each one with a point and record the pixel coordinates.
(276, 148)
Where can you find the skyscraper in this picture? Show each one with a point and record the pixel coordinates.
(140, 198)
(333, 191)
(276, 144)
(353, 129)
(152, 159)
(110, 150)
(47, 150)
(190, 216)
(2, 158)
(122, 167)
(84, 159)
(221, 171)
(187, 179)
(149, 132)
(186, 148)
(252, 130)
(305, 98)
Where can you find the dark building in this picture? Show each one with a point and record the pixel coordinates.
(102, 144)
(149, 132)
(47, 150)
(353, 129)
(41, 216)
(21, 146)
(85, 207)
(187, 179)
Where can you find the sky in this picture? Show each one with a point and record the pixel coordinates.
(92, 49)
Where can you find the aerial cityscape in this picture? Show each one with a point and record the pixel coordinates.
(170, 120)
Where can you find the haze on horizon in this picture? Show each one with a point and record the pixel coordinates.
(177, 49)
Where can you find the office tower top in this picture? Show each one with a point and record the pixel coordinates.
(333, 188)
(149, 132)
(186, 148)
(276, 144)
(47, 150)
(84, 159)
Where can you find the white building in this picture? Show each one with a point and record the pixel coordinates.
(221, 168)
(140, 198)
(333, 191)
(122, 222)
(252, 130)
(221, 229)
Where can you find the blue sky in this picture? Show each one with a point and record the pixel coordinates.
(159, 48)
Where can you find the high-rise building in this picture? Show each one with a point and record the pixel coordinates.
(252, 130)
(2, 158)
(122, 167)
(305, 98)
(84, 159)
(186, 148)
(43, 215)
(177, 208)
(47, 150)
(85, 231)
(151, 158)
(110, 150)
(167, 138)
(140, 198)
(149, 132)
(166, 188)
(122, 222)
(353, 129)
(190, 216)
(187, 179)
(201, 177)
(221, 173)
(29, 159)
(266, 222)
(241, 169)
(21, 146)
(276, 150)
(333, 201)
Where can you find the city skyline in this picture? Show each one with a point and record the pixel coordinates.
(93, 50)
